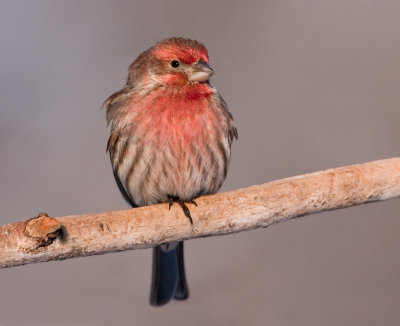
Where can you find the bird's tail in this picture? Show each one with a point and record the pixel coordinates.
(168, 277)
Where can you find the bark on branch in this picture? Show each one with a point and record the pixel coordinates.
(44, 238)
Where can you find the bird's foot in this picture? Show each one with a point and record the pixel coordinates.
(182, 203)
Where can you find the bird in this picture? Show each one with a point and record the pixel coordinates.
(170, 142)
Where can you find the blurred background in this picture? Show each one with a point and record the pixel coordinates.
(312, 85)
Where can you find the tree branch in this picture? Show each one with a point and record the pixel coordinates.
(44, 238)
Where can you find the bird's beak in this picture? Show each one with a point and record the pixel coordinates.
(200, 72)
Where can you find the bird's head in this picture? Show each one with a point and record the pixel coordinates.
(173, 62)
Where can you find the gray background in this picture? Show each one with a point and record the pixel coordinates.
(312, 85)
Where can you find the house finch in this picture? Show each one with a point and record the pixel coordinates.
(170, 141)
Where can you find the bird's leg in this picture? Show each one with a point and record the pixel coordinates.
(186, 211)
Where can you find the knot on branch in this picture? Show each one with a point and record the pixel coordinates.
(43, 229)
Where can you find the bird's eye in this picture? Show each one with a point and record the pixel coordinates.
(175, 63)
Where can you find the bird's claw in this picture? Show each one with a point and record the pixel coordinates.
(182, 204)
(170, 202)
(186, 210)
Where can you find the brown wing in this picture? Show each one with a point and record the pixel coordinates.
(232, 131)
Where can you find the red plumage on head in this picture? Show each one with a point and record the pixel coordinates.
(187, 51)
